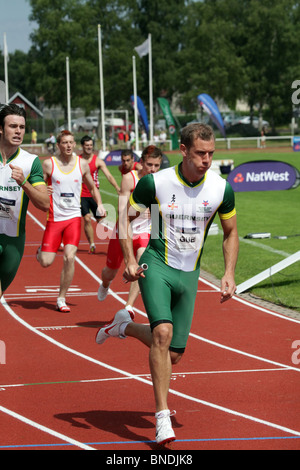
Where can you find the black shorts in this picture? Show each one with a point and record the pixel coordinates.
(89, 204)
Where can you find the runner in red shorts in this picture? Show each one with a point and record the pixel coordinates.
(151, 161)
(64, 175)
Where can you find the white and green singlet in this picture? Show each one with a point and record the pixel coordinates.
(13, 200)
(181, 213)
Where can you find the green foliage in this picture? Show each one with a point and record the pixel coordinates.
(230, 49)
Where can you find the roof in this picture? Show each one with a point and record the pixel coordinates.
(19, 95)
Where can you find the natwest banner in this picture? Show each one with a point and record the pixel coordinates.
(264, 175)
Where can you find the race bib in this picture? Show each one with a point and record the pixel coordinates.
(7, 208)
(187, 239)
(67, 200)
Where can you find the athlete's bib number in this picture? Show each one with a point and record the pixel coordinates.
(187, 239)
(67, 200)
(6, 208)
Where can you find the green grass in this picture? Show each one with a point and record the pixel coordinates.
(277, 212)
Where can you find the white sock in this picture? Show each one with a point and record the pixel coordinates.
(123, 328)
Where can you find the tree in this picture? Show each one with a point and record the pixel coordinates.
(270, 48)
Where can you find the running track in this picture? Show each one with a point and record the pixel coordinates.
(236, 387)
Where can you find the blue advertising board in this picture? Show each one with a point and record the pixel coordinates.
(114, 157)
(264, 175)
(296, 144)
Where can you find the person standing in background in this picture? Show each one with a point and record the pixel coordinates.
(88, 204)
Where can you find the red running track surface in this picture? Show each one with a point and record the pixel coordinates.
(237, 386)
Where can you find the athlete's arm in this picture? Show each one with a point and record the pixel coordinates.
(230, 253)
(125, 239)
(102, 166)
(128, 211)
(37, 192)
(88, 180)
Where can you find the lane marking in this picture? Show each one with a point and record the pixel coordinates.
(148, 376)
(147, 382)
(249, 304)
(257, 307)
(221, 439)
(42, 428)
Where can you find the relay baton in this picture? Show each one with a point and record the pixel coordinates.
(140, 269)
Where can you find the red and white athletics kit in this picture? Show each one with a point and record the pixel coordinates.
(64, 217)
(141, 229)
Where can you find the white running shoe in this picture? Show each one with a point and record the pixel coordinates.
(102, 292)
(164, 430)
(112, 329)
(61, 305)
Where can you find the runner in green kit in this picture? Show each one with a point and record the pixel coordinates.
(21, 180)
(183, 201)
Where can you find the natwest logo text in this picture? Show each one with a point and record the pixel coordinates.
(264, 175)
(268, 176)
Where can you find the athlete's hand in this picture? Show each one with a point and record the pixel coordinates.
(101, 212)
(17, 174)
(228, 288)
(50, 190)
(132, 273)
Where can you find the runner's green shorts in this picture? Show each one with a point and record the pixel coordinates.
(12, 249)
(169, 297)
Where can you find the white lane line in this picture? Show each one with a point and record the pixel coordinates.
(249, 304)
(42, 428)
(147, 382)
(175, 375)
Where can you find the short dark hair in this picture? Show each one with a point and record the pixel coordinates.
(85, 138)
(127, 152)
(195, 131)
(11, 109)
(151, 151)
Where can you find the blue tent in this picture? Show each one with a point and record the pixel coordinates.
(212, 109)
(142, 112)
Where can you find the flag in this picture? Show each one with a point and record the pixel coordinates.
(211, 108)
(142, 112)
(170, 121)
(143, 49)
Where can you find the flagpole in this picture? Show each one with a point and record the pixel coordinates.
(68, 93)
(5, 69)
(136, 125)
(101, 89)
(150, 90)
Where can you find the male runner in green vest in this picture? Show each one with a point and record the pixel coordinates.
(21, 180)
(183, 201)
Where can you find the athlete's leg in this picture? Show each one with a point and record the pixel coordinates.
(45, 258)
(50, 243)
(134, 289)
(88, 229)
(71, 238)
(108, 276)
(161, 280)
(67, 273)
(10, 259)
(113, 262)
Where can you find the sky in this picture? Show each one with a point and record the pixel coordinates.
(14, 22)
